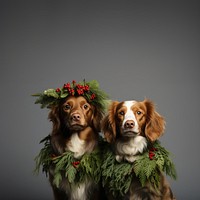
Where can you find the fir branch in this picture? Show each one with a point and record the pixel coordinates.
(57, 179)
(118, 176)
(70, 173)
(89, 90)
(43, 159)
(64, 165)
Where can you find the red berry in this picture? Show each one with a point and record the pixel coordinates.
(58, 90)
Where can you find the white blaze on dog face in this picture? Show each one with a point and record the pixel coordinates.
(130, 116)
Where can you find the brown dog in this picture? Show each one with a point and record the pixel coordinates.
(75, 128)
(71, 155)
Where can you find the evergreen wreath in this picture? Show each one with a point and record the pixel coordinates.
(89, 90)
(75, 170)
(118, 176)
(102, 165)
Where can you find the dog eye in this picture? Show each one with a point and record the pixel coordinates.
(139, 112)
(121, 113)
(67, 107)
(85, 106)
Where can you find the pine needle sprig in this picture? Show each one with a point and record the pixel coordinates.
(66, 166)
(103, 166)
(144, 168)
(89, 90)
(43, 160)
(164, 162)
(62, 165)
(118, 176)
(91, 165)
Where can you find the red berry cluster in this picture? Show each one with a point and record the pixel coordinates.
(151, 153)
(93, 96)
(76, 89)
(75, 164)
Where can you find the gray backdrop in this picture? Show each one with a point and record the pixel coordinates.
(135, 49)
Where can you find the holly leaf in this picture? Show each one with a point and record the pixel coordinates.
(63, 95)
(51, 93)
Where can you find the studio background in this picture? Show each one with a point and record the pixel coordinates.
(134, 49)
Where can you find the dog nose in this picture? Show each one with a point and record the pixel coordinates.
(76, 117)
(129, 124)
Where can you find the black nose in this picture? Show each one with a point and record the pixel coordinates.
(129, 124)
(76, 117)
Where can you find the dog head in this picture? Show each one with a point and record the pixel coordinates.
(74, 114)
(131, 118)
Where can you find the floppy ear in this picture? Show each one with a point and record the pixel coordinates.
(109, 123)
(54, 117)
(97, 118)
(155, 124)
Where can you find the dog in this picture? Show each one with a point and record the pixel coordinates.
(129, 126)
(76, 124)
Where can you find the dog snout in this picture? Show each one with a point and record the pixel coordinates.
(76, 117)
(129, 124)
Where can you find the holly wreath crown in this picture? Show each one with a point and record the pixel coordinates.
(89, 90)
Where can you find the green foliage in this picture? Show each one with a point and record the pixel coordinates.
(164, 162)
(57, 179)
(63, 165)
(102, 165)
(91, 165)
(118, 176)
(89, 90)
(44, 100)
(144, 168)
(66, 166)
(101, 99)
(43, 159)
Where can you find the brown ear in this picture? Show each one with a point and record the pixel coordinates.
(54, 117)
(97, 118)
(155, 124)
(109, 123)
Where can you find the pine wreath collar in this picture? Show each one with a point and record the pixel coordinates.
(102, 165)
(118, 176)
(66, 166)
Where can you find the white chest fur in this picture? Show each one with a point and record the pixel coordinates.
(128, 150)
(77, 145)
(79, 148)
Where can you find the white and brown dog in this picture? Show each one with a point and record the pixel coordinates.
(129, 126)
